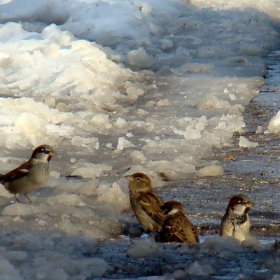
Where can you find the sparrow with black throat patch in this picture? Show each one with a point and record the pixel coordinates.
(30, 175)
(145, 203)
(177, 227)
(236, 221)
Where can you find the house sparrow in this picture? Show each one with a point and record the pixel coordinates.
(145, 203)
(30, 175)
(236, 221)
(176, 226)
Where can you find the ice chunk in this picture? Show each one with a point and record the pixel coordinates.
(274, 123)
(120, 123)
(146, 8)
(179, 274)
(16, 255)
(197, 269)
(221, 244)
(259, 129)
(113, 194)
(124, 143)
(4, 192)
(211, 102)
(85, 142)
(140, 58)
(8, 271)
(90, 170)
(192, 133)
(88, 188)
(166, 44)
(163, 103)
(99, 266)
(101, 120)
(134, 92)
(245, 143)
(144, 247)
(64, 185)
(141, 112)
(251, 242)
(65, 198)
(31, 124)
(169, 169)
(18, 209)
(137, 156)
(210, 171)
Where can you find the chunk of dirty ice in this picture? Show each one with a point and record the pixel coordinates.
(65, 198)
(8, 271)
(144, 247)
(124, 143)
(219, 243)
(259, 129)
(99, 266)
(88, 188)
(197, 269)
(113, 194)
(137, 156)
(210, 171)
(251, 242)
(245, 143)
(179, 273)
(18, 209)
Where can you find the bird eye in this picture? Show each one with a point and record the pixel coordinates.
(239, 202)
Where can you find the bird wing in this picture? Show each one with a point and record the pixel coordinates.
(226, 228)
(16, 173)
(180, 229)
(151, 202)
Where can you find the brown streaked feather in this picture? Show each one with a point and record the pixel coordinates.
(16, 173)
(178, 228)
(151, 203)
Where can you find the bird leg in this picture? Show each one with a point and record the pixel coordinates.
(28, 197)
(16, 197)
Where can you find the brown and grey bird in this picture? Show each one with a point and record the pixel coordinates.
(177, 227)
(30, 175)
(236, 221)
(145, 203)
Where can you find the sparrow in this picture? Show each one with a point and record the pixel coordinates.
(236, 221)
(31, 174)
(176, 226)
(145, 203)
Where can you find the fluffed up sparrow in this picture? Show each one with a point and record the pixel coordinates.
(236, 221)
(30, 175)
(145, 203)
(176, 226)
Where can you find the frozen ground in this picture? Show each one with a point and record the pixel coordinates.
(122, 86)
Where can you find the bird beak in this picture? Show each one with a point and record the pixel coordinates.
(52, 153)
(249, 204)
(129, 177)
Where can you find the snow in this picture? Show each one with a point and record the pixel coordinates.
(245, 143)
(118, 87)
(143, 247)
(210, 171)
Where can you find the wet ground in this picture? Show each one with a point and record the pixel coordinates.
(254, 171)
